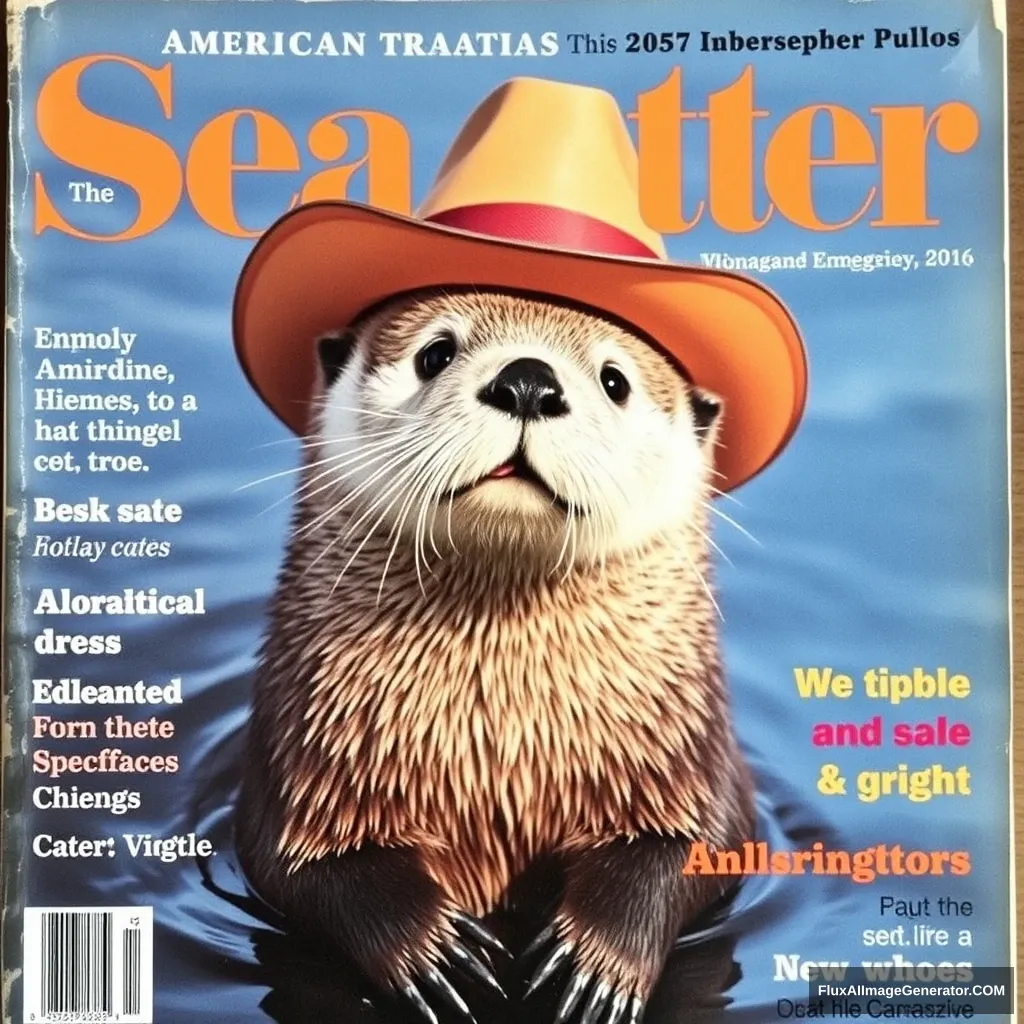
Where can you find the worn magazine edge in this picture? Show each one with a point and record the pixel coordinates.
(12, 711)
(999, 19)
(12, 667)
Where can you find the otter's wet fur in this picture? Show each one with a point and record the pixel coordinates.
(455, 693)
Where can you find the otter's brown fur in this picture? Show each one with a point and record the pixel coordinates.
(487, 713)
(496, 714)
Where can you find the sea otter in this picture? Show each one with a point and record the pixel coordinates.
(494, 645)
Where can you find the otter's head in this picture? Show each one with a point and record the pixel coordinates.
(471, 418)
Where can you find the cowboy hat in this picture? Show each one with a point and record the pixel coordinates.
(539, 193)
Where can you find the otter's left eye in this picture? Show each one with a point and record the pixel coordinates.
(432, 359)
(615, 384)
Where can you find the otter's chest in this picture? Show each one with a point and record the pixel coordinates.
(526, 732)
(484, 775)
(490, 742)
(486, 741)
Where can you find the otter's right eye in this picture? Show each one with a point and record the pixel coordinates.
(615, 383)
(432, 359)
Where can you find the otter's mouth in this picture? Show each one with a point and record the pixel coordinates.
(519, 468)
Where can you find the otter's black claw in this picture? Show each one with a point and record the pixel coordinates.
(412, 993)
(572, 996)
(443, 987)
(471, 965)
(541, 941)
(618, 1008)
(595, 1004)
(478, 933)
(546, 969)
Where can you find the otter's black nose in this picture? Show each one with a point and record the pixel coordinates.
(527, 389)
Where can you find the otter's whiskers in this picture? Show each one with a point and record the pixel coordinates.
(382, 451)
(397, 457)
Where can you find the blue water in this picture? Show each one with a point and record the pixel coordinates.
(879, 536)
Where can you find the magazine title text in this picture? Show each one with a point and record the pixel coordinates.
(747, 184)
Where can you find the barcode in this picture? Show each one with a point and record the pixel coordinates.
(131, 996)
(89, 964)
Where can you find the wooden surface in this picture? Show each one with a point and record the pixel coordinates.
(1016, 70)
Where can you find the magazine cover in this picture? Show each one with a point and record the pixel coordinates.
(507, 513)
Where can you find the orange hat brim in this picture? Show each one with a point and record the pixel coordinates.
(317, 268)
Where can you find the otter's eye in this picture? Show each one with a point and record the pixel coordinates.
(614, 382)
(432, 359)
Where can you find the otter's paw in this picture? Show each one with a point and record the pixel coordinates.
(608, 983)
(455, 944)
(623, 904)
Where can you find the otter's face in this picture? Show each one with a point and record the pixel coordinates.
(481, 418)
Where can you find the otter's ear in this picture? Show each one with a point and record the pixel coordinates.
(706, 408)
(334, 351)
